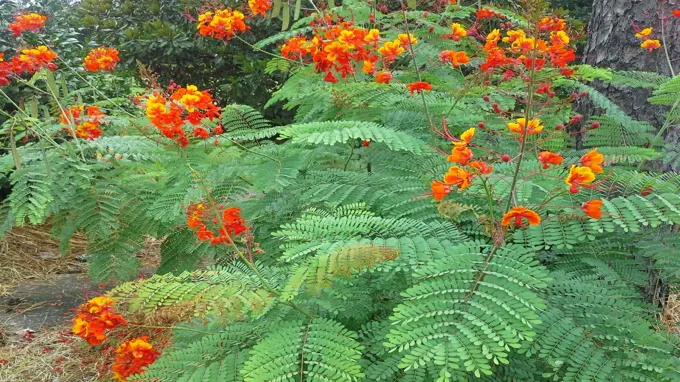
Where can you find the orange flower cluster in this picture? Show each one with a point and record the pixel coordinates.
(33, 59)
(222, 24)
(32, 22)
(552, 24)
(132, 357)
(230, 226)
(339, 47)
(185, 105)
(94, 318)
(87, 121)
(647, 41)
(101, 58)
(260, 7)
(531, 52)
(457, 176)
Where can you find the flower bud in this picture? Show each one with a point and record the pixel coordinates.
(486, 98)
(559, 127)
(505, 158)
(482, 125)
(594, 125)
(576, 119)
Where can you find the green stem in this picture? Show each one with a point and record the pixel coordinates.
(489, 197)
(415, 66)
(13, 144)
(665, 48)
(351, 153)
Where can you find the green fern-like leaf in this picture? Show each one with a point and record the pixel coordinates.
(319, 350)
(469, 309)
(332, 132)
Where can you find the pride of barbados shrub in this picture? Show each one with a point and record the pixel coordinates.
(436, 211)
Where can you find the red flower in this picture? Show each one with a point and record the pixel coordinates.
(86, 121)
(5, 72)
(482, 167)
(579, 176)
(647, 190)
(676, 13)
(366, 143)
(460, 155)
(418, 86)
(546, 158)
(593, 160)
(552, 24)
(518, 213)
(439, 190)
(132, 357)
(454, 58)
(383, 77)
(457, 176)
(487, 14)
(232, 223)
(593, 208)
(201, 133)
(330, 77)
(567, 72)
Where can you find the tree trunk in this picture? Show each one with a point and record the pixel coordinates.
(612, 43)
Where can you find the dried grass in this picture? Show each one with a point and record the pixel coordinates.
(19, 259)
(670, 315)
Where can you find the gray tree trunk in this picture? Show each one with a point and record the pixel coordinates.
(612, 43)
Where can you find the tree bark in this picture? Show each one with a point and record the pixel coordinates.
(612, 44)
